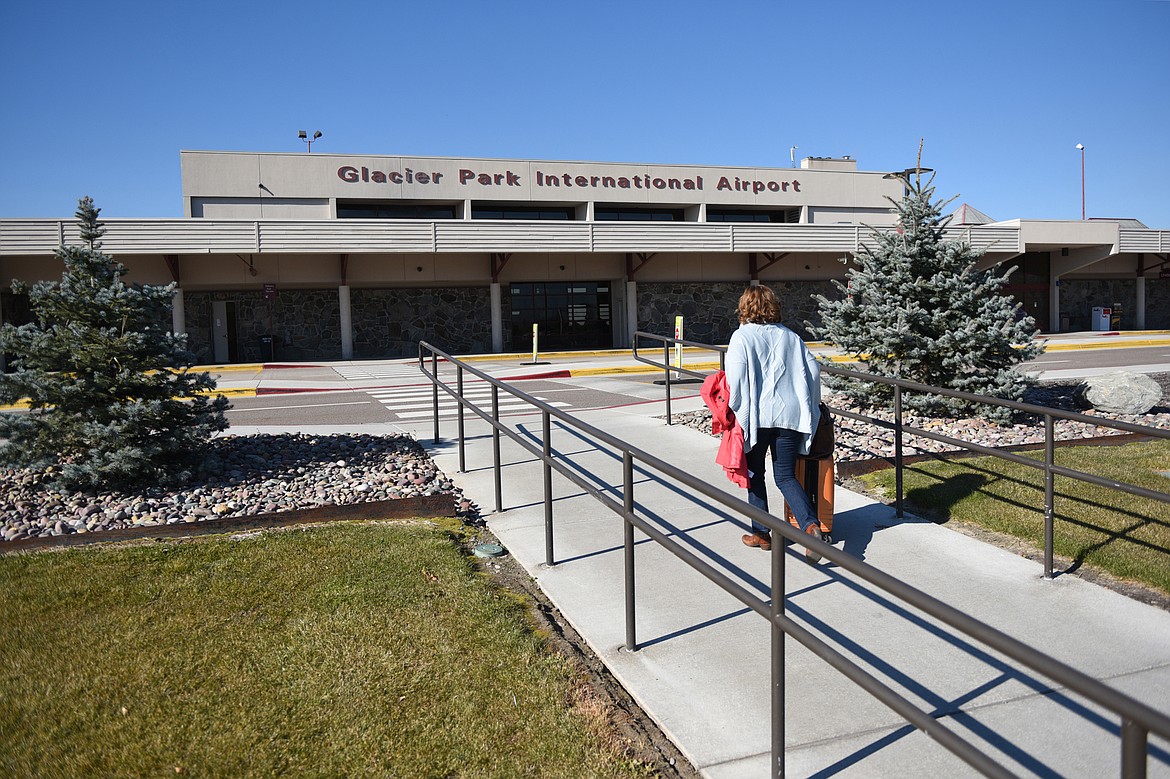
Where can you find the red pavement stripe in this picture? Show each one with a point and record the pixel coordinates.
(549, 375)
(289, 390)
(274, 365)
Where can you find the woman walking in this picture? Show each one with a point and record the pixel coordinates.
(774, 385)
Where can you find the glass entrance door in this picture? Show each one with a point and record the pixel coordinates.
(571, 315)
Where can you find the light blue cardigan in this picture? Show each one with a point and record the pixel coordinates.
(774, 381)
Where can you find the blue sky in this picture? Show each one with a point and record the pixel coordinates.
(98, 98)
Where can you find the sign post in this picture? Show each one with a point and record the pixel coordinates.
(678, 349)
(270, 295)
(535, 346)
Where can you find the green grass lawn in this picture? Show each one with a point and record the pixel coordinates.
(1106, 529)
(373, 650)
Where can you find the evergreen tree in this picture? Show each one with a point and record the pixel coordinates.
(917, 308)
(112, 402)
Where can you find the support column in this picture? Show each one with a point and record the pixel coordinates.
(346, 322)
(1140, 311)
(1054, 306)
(178, 313)
(497, 319)
(631, 310)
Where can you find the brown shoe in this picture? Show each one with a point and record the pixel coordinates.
(757, 539)
(813, 530)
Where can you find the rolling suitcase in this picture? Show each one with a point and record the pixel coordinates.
(817, 478)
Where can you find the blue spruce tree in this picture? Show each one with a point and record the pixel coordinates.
(112, 402)
(917, 308)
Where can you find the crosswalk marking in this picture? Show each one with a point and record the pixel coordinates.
(454, 411)
(451, 403)
(428, 392)
(399, 371)
(416, 402)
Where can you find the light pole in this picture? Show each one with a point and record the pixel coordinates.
(304, 136)
(1081, 149)
(904, 177)
(792, 155)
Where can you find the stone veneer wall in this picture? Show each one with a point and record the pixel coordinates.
(306, 324)
(1078, 297)
(510, 343)
(708, 309)
(1157, 304)
(391, 322)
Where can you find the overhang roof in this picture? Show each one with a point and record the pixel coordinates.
(969, 215)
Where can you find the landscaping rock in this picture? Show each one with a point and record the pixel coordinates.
(1123, 392)
(243, 476)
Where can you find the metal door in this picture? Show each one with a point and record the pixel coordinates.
(223, 330)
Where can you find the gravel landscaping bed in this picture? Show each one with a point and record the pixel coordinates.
(244, 476)
(263, 474)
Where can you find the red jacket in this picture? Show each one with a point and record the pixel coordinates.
(731, 455)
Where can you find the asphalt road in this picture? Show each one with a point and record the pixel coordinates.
(1083, 362)
(401, 394)
(412, 402)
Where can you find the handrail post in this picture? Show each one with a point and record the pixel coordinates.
(435, 391)
(666, 364)
(459, 392)
(548, 521)
(496, 448)
(1133, 750)
(628, 527)
(1049, 494)
(778, 555)
(898, 450)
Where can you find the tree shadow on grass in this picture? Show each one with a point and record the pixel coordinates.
(936, 501)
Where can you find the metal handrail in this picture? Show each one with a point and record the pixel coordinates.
(1049, 466)
(666, 344)
(1137, 719)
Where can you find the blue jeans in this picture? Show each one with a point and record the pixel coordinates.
(784, 444)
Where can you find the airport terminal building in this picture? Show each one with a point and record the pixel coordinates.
(337, 256)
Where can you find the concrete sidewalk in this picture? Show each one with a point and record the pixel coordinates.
(702, 671)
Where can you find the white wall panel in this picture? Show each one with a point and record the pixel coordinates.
(1136, 241)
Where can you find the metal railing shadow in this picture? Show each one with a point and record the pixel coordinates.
(900, 429)
(1136, 719)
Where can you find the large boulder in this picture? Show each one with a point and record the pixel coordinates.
(1123, 392)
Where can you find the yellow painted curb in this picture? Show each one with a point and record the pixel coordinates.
(234, 392)
(614, 370)
(254, 366)
(1050, 347)
(700, 366)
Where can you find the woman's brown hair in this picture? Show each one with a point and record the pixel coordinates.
(758, 306)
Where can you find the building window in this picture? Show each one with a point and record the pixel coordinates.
(497, 211)
(395, 211)
(788, 215)
(571, 315)
(629, 214)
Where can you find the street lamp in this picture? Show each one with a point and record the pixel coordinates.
(304, 136)
(1081, 149)
(904, 177)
